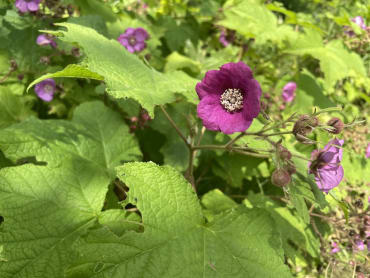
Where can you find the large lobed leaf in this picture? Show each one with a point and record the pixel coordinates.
(124, 73)
(335, 60)
(96, 137)
(176, 241)
(45, 209)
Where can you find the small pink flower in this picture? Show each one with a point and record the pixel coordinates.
(24, 6)
(134, 39)
(359, 21)
(289, 91)
(45, 89)
(46, 39)
(360, 245)
(368, 151)
(335, 248)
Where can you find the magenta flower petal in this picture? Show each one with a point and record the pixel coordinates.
(229, 98)
(46, 39)
(335, 248)
(139, 46)
(214, 82)
(289, 91)
(21, 5)
(367, 151)
(360, 22)
(33, 6)
(45, 89)
(216, 118)
(325, 165)
(141, 34)
(223, 39)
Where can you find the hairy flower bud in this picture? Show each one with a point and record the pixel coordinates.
(280, 177)
(291, 168)
(336, 124)
(304, 126)
(283, 153)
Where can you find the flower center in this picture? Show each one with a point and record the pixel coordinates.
(48, 89)
(232, 100)
(132, 41)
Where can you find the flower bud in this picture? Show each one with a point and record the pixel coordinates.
(336, 124)
(290, 167)
(303, 126)
(280, 177)
(283, 153)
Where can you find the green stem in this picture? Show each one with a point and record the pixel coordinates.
(175, 127)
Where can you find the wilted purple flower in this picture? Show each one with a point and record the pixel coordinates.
(134, 39)
(229, 98)
(46, 39)
(359, 21)
(325, 165)
(335, 248)
(27, 5)
(289, 91)
(368, 152)
(45, 89)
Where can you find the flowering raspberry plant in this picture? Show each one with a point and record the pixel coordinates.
(170, 138)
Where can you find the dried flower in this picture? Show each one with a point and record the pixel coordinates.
(336, 124)
(24, 6)
(280, 177)
(229, 98)
(46, 39)
(45, 89)
(289, 91)
(325, 165)
(134, 39)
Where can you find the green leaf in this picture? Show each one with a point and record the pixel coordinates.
(13, 109)
(45, 209)
(124, 73)
(291, 228)
(96, 137)
(296, 196)
(335, 60)
(176, 242)
(74, 71)
(254, 20)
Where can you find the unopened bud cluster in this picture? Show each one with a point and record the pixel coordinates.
(139, 122)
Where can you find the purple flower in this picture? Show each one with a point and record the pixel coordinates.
(45, 89)
(325, 166)
(27, 5)
(46, 39)
(134, 39)
(360, 245)
(226, 37)
(229, 98)
(368, 152)
(335, 248)
(289, 91)
(359, 21)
